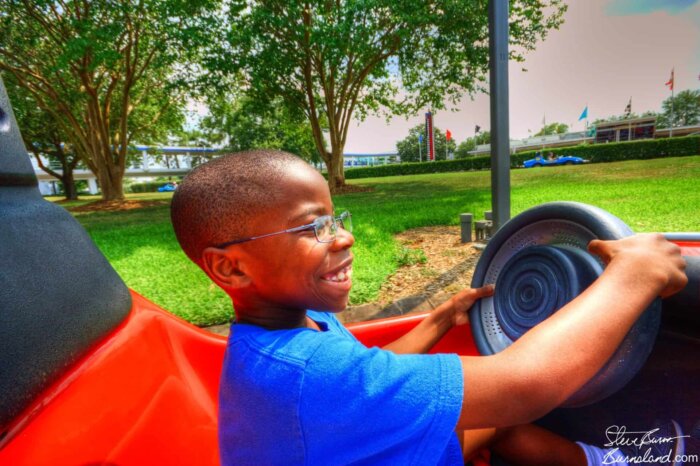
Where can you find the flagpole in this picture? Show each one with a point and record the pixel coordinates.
(420, 155)
(670, 133)
(629, 121)
(673, 84)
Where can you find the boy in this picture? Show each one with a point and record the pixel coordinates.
(297, 388)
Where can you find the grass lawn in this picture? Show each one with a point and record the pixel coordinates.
(653, 195)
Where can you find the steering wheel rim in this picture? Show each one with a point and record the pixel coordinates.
(559, 232)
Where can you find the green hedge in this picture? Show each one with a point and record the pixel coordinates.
(596, 153)
(146, 187)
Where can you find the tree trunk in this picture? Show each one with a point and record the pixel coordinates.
(68, 181)
(111, 186)
(336, 172)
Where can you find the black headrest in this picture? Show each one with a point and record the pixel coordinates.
(58, 294)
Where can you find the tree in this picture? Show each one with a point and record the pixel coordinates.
(408, 147)
(553, 128)
(345, 59)
(242, 123)
(43, 137)
(470, 144)
(685, 107)
(92, 64)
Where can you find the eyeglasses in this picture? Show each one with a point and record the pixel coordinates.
(325, 228)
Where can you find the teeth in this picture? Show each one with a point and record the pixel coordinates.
(341, 276)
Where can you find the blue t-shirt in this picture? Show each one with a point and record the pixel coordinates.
(306, 397)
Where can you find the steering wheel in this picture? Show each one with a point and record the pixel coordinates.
(538, 262)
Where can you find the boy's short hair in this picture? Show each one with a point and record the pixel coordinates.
(214, 202)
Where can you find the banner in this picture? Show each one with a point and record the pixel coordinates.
(429, 134)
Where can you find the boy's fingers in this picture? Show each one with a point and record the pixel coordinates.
(472, 294)
(484, 291)
(595, 246)
(601, 249)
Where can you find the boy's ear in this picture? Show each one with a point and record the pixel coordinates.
(224, 268)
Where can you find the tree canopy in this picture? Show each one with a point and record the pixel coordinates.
(242, 123)
(553, 128)
(683, 109)
(342, 60)
(95, 66)
(470, 144)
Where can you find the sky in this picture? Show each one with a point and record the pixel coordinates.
(606, 52)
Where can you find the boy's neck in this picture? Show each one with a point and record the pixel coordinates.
(272, 318)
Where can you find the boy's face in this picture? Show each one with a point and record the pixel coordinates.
(293, 270)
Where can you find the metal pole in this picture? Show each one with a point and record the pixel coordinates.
(420, 155)
(670, 133)
(498, 86)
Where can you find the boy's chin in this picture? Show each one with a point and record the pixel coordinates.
(332, 307)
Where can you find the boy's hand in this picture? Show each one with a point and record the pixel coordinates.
(458, 305)
(651, 258)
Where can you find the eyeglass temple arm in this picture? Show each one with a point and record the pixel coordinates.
(243, 240)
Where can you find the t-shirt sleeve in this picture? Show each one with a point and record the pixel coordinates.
(373, 406)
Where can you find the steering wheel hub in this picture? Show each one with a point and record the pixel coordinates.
(538, 281)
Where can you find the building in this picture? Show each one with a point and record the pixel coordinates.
(611, 131)
(625, 130)
(539, 143)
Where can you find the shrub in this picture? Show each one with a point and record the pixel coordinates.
(596, 153)
(146, 187)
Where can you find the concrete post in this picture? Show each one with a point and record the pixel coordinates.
(92, 185)
(466, 223)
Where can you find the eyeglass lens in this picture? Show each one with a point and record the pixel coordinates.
(326, 227)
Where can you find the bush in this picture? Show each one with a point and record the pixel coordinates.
(414, 168)
(146, 187)
(617, 151)
(596, 153)
(151, 186)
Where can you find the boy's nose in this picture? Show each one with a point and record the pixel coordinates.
(343, 239)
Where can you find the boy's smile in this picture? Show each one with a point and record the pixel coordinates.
(292, 272)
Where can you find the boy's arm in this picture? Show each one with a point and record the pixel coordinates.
(548, 364)
(451, 313)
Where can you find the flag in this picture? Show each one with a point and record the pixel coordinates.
(628, 109)
(477, 128)
(420, 138)
(584, 114)
(448, 135)
(669, 83)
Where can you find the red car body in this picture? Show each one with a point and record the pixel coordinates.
(148, 393)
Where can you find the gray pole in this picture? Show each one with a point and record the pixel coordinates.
(500, 138)
(670, 133)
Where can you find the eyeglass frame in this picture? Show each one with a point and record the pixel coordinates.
(337, 221)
